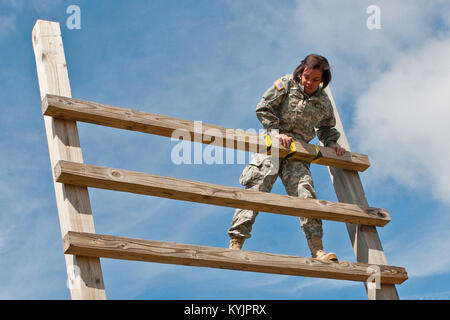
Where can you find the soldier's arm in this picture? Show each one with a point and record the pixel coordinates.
(273, 97)
(328, 135)
(326, 131)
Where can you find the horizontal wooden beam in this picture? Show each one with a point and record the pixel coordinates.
(167, 187)
(123, 118)
(106, 246)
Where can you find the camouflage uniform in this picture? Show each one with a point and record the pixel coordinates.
(286, 107)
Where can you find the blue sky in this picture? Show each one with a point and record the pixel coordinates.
(211, 61)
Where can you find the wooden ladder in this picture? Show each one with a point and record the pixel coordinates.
(83, 248)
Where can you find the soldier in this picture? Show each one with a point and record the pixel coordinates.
(291, 109)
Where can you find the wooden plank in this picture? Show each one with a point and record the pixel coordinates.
(73, 203)
(365, 239)
(114, 247)
(122, 118)
(161, 186)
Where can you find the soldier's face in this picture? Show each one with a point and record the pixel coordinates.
(311, 79)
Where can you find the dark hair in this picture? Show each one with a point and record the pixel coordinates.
(314, 61)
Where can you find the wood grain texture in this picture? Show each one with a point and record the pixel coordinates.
(124, 118)
(365, 239)
(107, 246)
(73, 203)
(161, 186)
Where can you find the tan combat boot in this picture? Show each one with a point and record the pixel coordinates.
(236, 243)
(316, 247)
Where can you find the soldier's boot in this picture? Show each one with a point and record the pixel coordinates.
(236, 243)
(316, 247)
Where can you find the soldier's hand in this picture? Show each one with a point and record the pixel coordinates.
(285, 140)
(339, 150)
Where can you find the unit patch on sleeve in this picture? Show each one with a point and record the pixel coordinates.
(279, 84)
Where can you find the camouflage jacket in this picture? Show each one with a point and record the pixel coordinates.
(286, 107)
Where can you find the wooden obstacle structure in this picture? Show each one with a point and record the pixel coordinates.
(83, 248)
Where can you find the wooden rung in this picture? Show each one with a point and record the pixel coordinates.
(106, 246)
(123, 118)
(167, 187)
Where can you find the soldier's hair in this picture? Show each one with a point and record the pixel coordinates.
(314, 61)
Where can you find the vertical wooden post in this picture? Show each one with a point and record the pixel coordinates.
(74, 208)
(365, 240)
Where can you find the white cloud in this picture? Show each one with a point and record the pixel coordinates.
(402, 121)
(397, 77)
(337, 29)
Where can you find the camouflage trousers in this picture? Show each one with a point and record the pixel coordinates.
(260, 175)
